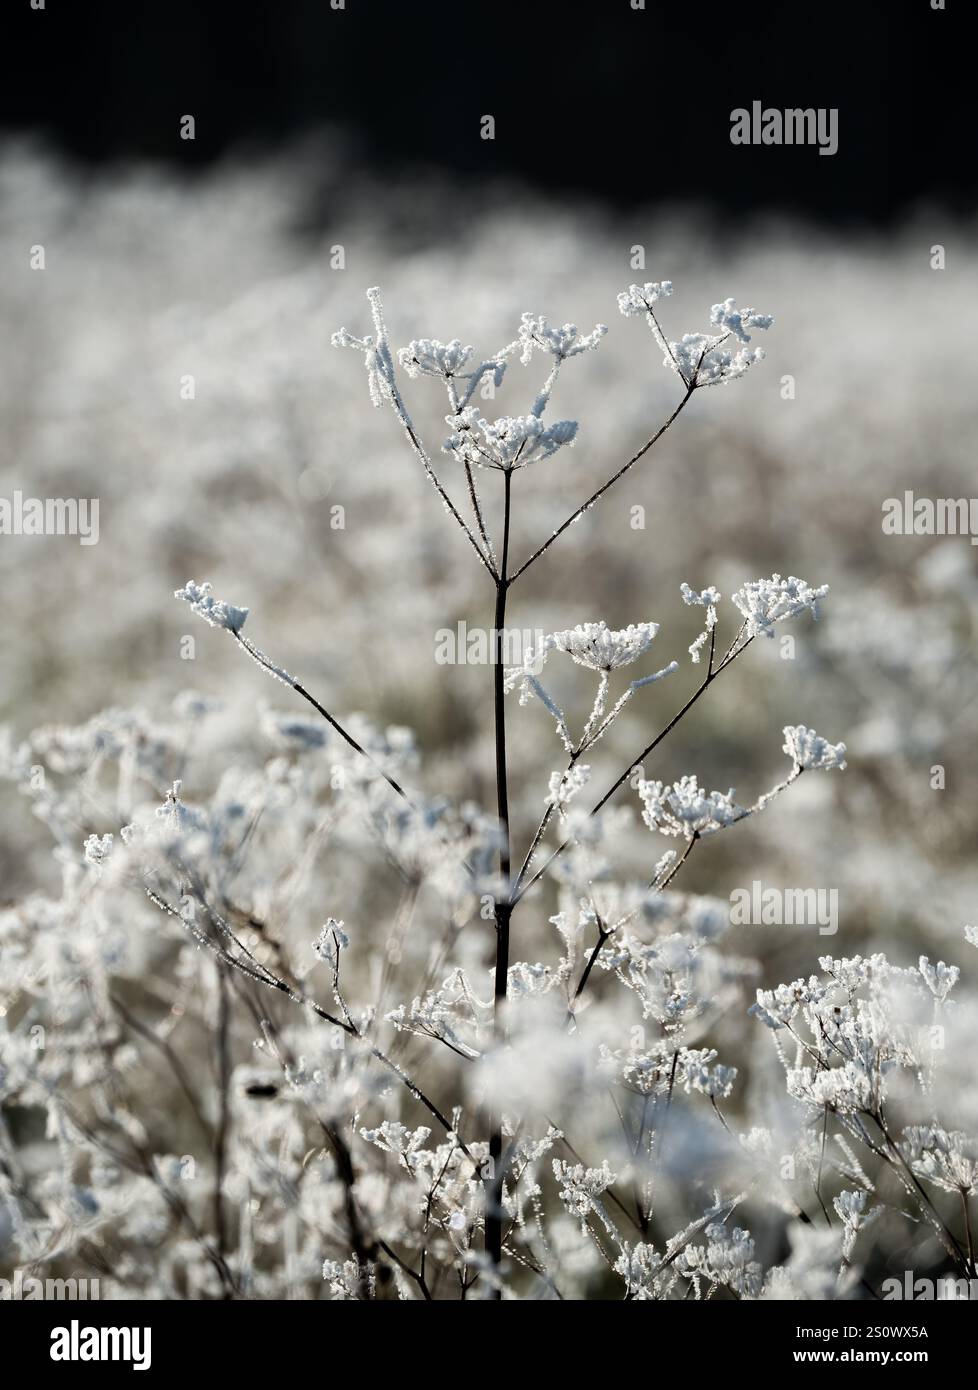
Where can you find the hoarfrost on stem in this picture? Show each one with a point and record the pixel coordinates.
(213, 610)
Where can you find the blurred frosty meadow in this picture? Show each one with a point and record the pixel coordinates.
(148, 280)
(231, 279)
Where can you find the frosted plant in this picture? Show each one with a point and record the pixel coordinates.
(850, 1207)
(855, 1032)
(429, 357)
(737, 321)
(765, 602)
(507, 443)
(949, 1160)
(638, 299)
(332, 939)
(595, 646)
(564, 786)
(212, 610)
(809, 751)
(940, 979)
(716, 1082)
(683, 809)
(97, 849)
(708, 599)
(581, 1188)
(700, 359)
(324, 1031)
(726, 1259)
(451, 1014)
(815, 1271)
(347, 1281)
(560, 343)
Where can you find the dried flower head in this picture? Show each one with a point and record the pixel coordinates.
(212, 610)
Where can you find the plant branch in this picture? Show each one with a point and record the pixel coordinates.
(224, 1107)
(263, 976)
(430, 474)
(262, 660)
(586, 506)
(503, 908)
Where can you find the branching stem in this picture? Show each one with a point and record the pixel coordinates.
(503, 909)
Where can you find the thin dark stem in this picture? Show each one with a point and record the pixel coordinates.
(263, 976)
(419, 1279)
(944, 1232)
(967, 1228)
(541, 830)
(494, 1228)
(272, 669)
(603, 934)
(364, 1248)
(139, 1160)
(693, 839)
(586, 506)
(224, 1107)
(713, 1102)
(663, 339)
(660, 1133)
(432, 477)
(176, 1066)
(480, 520)
(643, 1215)
(821, 1162)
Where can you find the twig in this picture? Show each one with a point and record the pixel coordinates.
(224, 1112)
(586, 506)
(176, 1066)
(262, 660)
(264, 976)
(503, 908)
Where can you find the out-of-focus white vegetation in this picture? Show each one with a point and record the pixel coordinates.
(148, 281)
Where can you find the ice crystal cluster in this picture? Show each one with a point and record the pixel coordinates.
(288, 1021)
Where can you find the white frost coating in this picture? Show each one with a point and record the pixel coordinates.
(271, 843)
(429, 357)
(513, 441)
(564, 786)
(638, 299)
(764, 602)
(561, 343)
(684, 809)
(212, 610)
(737, 321)
(810, 751)
(600, 648)
(708, 599)
(331, 940)
(699, 359)
(376, 352)
(940, 979)
(948, 1158)
(97, 850)
(656, 676)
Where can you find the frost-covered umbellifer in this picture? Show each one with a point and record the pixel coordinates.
(300, 1026)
